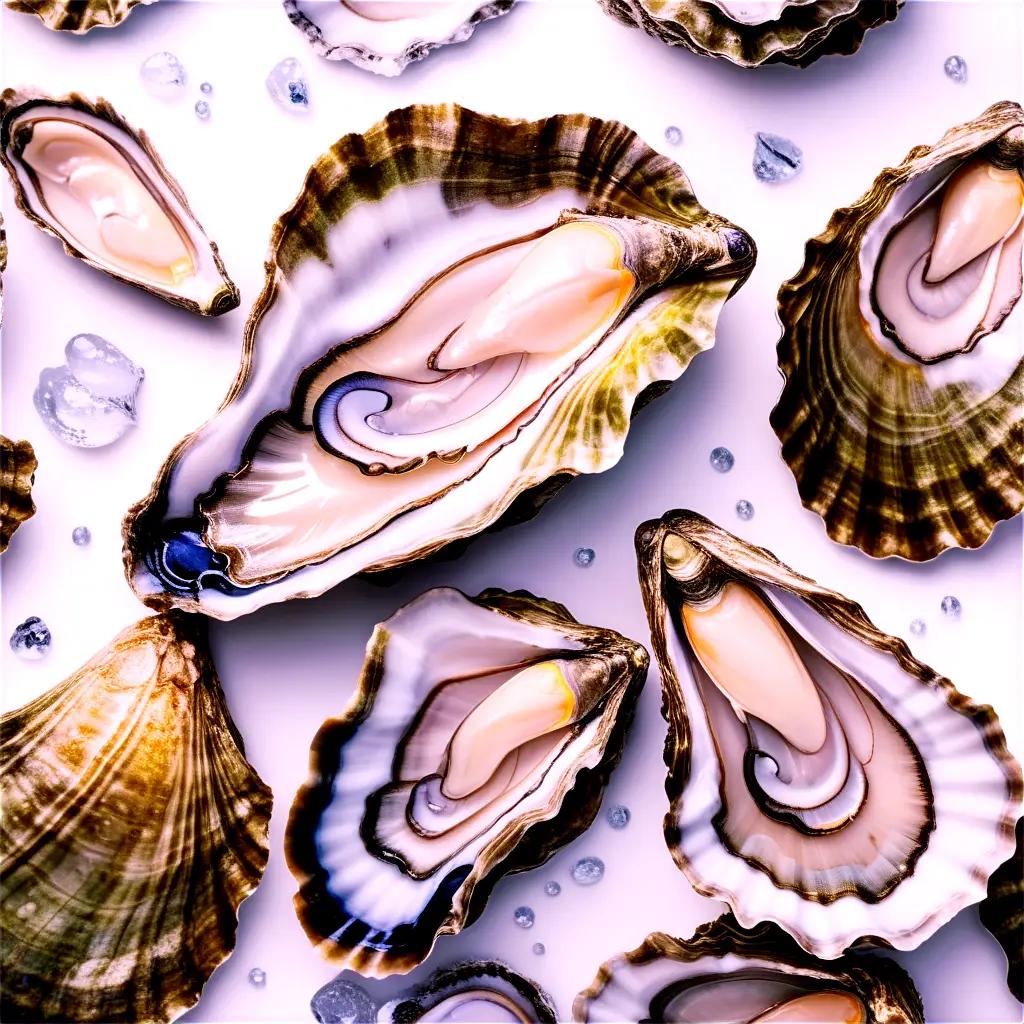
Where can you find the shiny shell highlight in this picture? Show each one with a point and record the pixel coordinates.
(77, 16)
(17, 473)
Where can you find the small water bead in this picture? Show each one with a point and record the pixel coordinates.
(918, 627)
(588, 870)
(340, 1002)
(618, 816)
(673, 135)
(81, 535)
(744, 510)
(206, 88)
(287, 85)
(584, 557)
(956, 69)
(721, 459)
(257, 977)
(951, 606)
(163, 75)
(31, 640)
(539, 948)
(524, 917)
(203, 110)
(552, 888)
(775, 158)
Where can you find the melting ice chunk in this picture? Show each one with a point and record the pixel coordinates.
(288, 86)
(775, 158)
(90, 401)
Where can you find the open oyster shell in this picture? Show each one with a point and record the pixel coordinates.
(17, 472)
(479, 741)
(726, 973)
(901, 421)
(461, 313)
(479, 990)
(82, 174)
(760, 32)
(1002, 913)
(819, 777)
(133, 828)
(77, 16)
(386, 36)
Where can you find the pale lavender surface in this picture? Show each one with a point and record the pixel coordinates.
(287, 668)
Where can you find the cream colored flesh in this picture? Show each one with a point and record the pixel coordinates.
(394, 10)
(96, 195)
(817, 1008)
(755, 12)
(748, 656)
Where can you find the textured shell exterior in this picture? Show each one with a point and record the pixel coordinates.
(504, 170)
(964, 845)
(721, 946)
(17, 471)
(802, 33)
(133, 828)
(898, 458)
(77, 16)
(515, 842)
(1002, 913)
(393, 60)
(223, 295)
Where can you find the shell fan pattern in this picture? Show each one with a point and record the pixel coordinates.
(77, 16)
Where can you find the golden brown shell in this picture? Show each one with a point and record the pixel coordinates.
(17, 472)
(77, 16)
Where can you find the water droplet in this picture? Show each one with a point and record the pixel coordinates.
(523, 916)
(81, 535)
(203, 110)
(673, 135)
(552, 888)
(918, 627)
(287, 85)
(206, 88)
(163, 75)
(257, 977)
(721, 459)
(588, 870)
(90, 401)
(584, 557)
(744, 509)
(618, 816)
(340, 1002)
(956, 69)
(31, 640)
(775, 158)
(539, 948)
(951, 606)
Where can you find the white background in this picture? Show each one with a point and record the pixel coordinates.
(286, 668)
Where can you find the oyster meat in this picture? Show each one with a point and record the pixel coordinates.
(133, 828)
(461, 313)
(900, 418)
(82, 174)
(728, 974)
(1002, 913)
(478, 742)
(17, 473)
(77, 16)
(386, 36)
(819, 776)
(760, 32)
(480, 990)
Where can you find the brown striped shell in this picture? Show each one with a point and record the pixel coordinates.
(804, 30)
(17, 472)
(77, 16)
(1002, 913)
(133, 828)
(897, 456)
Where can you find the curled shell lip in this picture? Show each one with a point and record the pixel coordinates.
(79, 17)
(17, 473)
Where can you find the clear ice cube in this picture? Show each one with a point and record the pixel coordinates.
(287, 86)
(163, 75)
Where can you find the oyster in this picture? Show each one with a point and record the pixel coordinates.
(761, 32)
(133, 828)
(819, 776)
(82, 174)
(386, 36)
(726, 973)
(1002, 913)
(461, 313)
(478, 742)
(480, 990)
(77, 16)
(17, 473)
(900, 420)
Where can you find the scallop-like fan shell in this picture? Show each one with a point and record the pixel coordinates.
(662, 970)
(803, 30)
(1002, 913)
(897, 456)
(258, 506)
(201, 287)
(819, 776)
(17, 472)
(133, 828)
(77, 16)
(376, 890)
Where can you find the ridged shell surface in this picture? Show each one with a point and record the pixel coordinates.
(17, 472)
(77, 16)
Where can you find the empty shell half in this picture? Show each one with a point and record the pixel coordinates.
(1002, 913)
(478, 742)
(819, 777)
(77, 16)
(759, 32)
(386, 36)
(82, 174)
(17, 473)
(462, 312)
(133, 828)
(726, 973)
(902, 414)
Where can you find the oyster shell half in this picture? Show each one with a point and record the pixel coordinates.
(901, 421)
(1002, 913)
(133, 828)
(17, 473)
(819, 777)
(77, 16)
(462, 312)
(82, 174)
(479, 990)
(751, 34)
(479, 741)
(386, 36)
(726, 973)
